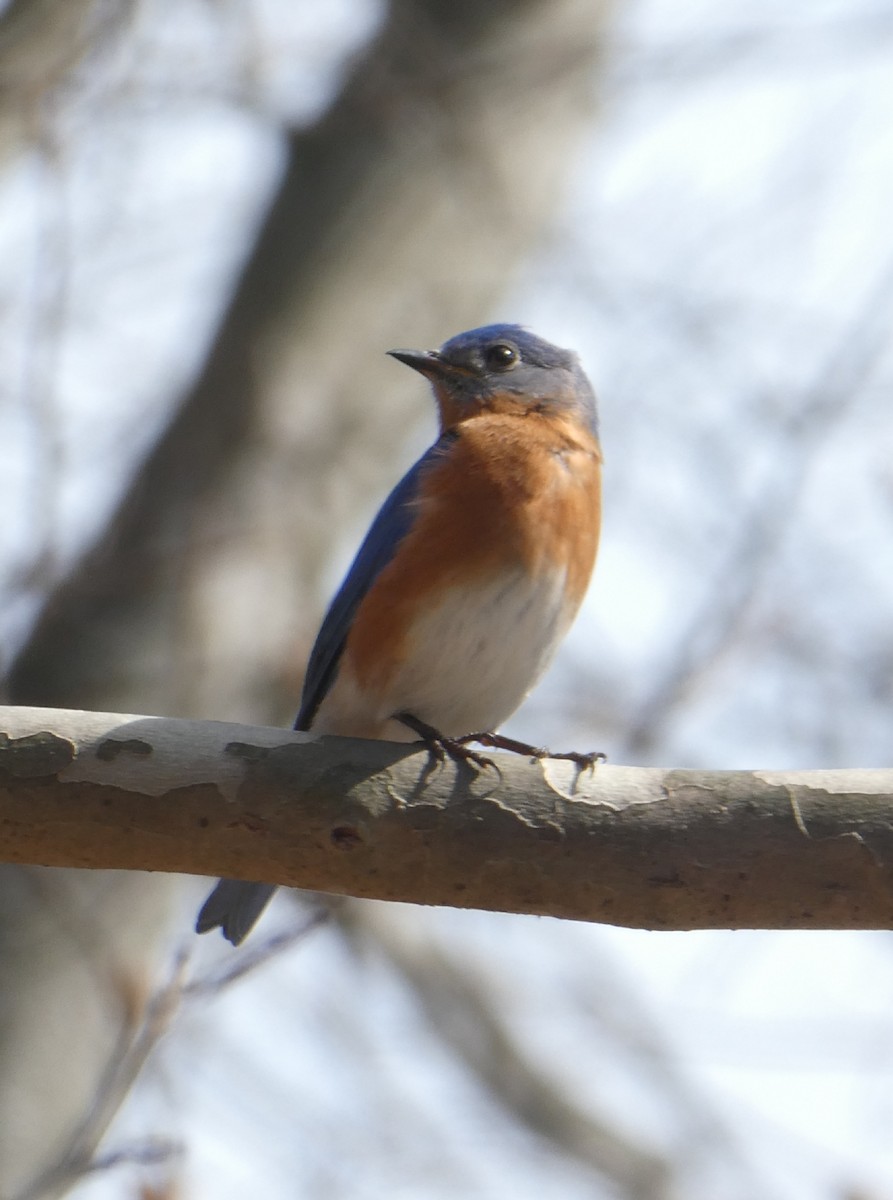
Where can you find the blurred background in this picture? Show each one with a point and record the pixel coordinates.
(215, 217)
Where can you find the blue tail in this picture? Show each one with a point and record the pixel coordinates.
(234, 906)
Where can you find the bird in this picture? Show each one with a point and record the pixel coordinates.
(471, 573)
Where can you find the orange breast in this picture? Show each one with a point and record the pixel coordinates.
(513, 492)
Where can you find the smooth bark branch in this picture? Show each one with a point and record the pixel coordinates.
(645, 847)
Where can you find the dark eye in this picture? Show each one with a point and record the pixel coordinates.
(500, 356)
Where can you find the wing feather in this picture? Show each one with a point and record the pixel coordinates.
(386, 532)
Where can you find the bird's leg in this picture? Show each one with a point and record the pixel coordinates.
(439, 745)
(498, 741)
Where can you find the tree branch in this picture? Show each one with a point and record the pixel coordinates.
(645, 847)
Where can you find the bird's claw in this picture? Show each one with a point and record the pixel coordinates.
(457, 748)
(498, 741)
(442, 747)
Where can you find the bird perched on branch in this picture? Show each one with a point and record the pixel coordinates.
(471, 573)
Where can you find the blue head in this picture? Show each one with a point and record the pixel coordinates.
(503, 368)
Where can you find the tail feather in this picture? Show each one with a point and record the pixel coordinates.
(234, 906)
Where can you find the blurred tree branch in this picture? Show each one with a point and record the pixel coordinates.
(643, 847)
(42, 44)
(838, 385)
(471, 1022)
(399, 216)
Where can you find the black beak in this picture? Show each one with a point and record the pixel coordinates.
(420, 360)
(427, 362)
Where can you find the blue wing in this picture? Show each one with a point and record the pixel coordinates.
(389, 527)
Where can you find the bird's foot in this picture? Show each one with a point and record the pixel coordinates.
(441, 747)
(498, 741)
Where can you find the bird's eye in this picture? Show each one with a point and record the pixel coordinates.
(500, 356)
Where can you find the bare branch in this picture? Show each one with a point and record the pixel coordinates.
(838, 385)
(644, 847)
(461, 1011)
(124, 1065)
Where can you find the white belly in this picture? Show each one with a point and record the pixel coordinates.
(470, 662)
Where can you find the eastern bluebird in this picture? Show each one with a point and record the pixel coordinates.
(471, 573)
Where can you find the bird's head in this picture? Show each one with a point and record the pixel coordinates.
(504, 369)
